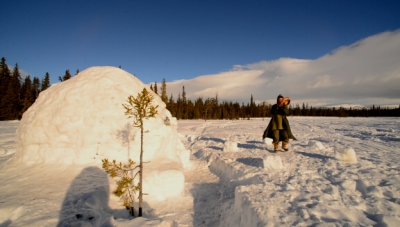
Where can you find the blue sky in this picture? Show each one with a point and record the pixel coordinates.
(181, 39)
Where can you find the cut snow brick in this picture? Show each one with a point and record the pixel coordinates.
(316, 145)
(230, 146)
(272, 161)
(346, 155)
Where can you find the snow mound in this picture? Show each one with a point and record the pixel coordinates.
(267, 141)
(82, 121)
(230, 146)
(272, 161)
(346, 155)
(316, 144)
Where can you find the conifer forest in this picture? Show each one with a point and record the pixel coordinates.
(17, 94)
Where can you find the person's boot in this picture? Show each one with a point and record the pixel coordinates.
(285, 146)
(276, 146)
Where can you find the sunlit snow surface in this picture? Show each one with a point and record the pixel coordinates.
(229, 185)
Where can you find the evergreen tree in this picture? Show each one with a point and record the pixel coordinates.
(264, 109)
(35, 87)
(183, 95)
(252, 107)
(216, 110)
(164, 96)
(16, 86)
(67, 76)
(27, 100)
(140, 108)
(179, 107)
(208, 105)
(125, 188)
(11, 99)
(77, 72)
(304, 110)
(4, 76)
(5, 80)
(189, 109)
(45, 82)
(297, 110)
(155, 88)
(171, 106)
(236, 109)
(198, 107)
(183, 104)
(151, 87)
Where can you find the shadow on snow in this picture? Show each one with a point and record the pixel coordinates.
(206, 204)
(86, 201)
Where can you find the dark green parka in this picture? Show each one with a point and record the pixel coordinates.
(275, 110)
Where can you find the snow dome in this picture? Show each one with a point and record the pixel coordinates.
(82, 121)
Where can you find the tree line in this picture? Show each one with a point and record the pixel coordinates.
(212, 108)
(17, 95)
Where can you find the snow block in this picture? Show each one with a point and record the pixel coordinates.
(230, 146)
(268, 142)
(161, 183)
(316, 144)
(245, 212)
(346, 155)
(227, 169)
(272, 161)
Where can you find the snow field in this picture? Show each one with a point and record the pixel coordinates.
(341, 171)
(312, 189)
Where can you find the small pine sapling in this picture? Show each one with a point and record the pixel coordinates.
(140, 108)
(125, 187)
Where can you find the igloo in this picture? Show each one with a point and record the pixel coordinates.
(82, 121)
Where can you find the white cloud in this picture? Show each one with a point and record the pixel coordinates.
(21, 72)
(366, 72)
(24, 74)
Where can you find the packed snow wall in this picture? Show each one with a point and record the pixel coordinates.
(82, 121)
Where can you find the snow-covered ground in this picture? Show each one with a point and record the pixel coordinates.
(234, 179)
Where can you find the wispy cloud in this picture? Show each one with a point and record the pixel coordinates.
(366, 72)
(21, 71)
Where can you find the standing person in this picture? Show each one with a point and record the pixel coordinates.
(278, 128)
